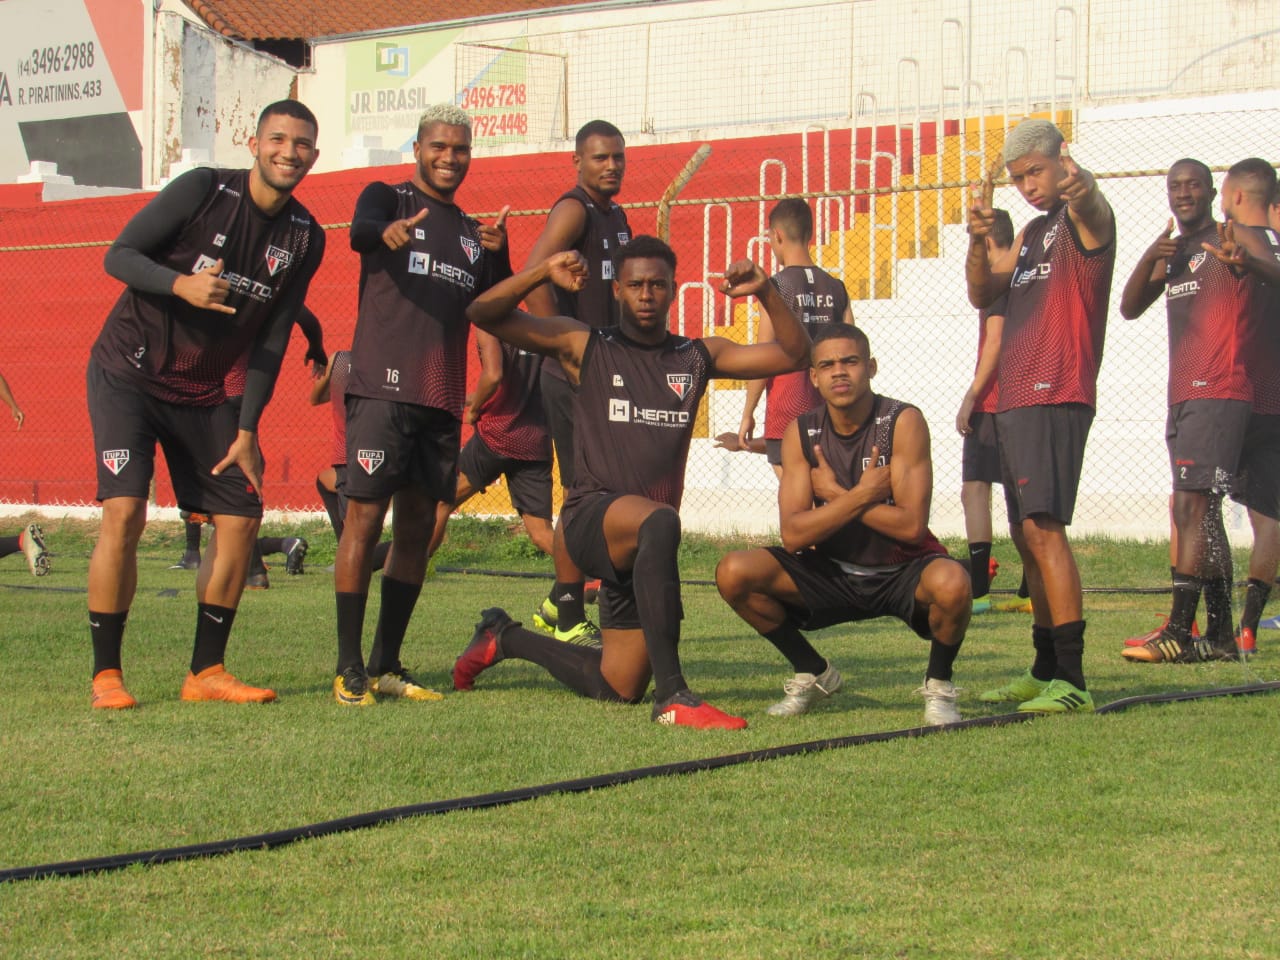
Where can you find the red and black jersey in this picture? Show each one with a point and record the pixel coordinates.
(182, 354)
(816, 298)
(411, 331)
(1056, 319)
(339, 377)
(855, 544)
(1262, 335)
(634, 415)
(605, 231)
(988, 400)
(1209, 306)
(511, 422)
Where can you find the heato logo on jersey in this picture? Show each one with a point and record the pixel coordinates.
(277, 259)
(219, 239)
(115, 460)
(370, 460)
(203, 262)
(680, 383)
(419, 262)
(620, 410)
(471, 248)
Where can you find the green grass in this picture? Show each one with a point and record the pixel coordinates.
(1149, 833)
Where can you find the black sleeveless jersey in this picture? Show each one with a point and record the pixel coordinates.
(855, 544)
(634, 415)
(182, 354)
(605, 231)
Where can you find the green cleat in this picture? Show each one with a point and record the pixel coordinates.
(1060, 696)
(546, 617)
(1026, 687)
(584, 634)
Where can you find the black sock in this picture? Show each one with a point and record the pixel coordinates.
(980, 568)
(332, 506)
(1186, 597)
(1219, 623)
(568, 598)
(398, 601)
(193, 537)
(270, 545)
(1068, 646)
(213, 627)
(1045, 666)
(351, 608)
(1023, 590)
(1255, 599)
(380, 554)
(107, 632)
(10, 545)
(578, 668)
(941, 659)
(791, 643)
(655, 578)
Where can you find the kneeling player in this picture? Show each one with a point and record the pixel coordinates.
(857, 479)
(639, 387)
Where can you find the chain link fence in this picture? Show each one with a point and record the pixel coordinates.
(884, 156)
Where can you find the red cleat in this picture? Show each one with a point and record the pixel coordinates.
(482, 652)
(1147, 637)
(1246, 642)
(686, 710)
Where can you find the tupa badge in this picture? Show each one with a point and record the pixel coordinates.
(680, 383)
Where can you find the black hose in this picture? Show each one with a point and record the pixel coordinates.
(279, 838)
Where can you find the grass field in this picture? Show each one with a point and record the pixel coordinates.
(1147, 833)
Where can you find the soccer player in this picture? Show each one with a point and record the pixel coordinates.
(816, 298)
(217, 265)
(510, 440)
(857, 479)
(422, 261)
(1250, 242)
(1209, 306)
(588, 220)
(331, 482)
(1058, 279)
(639, 387)
(980, 457)
(30, 542)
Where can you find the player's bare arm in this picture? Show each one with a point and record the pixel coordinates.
(986, 278)
(1147, 282)
(496, 311)
(320, 385)
(988, 363)
(755, 388)
(1086, 206)
(1245, 251)
(910, 469)
(801, 523)
(789, 349)
(564, 228)
(6, 397)
(490, 349)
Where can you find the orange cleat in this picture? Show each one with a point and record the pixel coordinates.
(214, 683)
(684, 709)
(109, 692)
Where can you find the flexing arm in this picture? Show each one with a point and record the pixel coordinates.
(564, 228)
(564, 338)
(789, 350)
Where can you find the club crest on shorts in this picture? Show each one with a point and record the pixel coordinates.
(370, 460)
(471, 248)
(277, 259)
(1194, 263)
(115, 460)
(680, 383)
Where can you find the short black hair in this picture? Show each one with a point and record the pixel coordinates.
(841, 331)
(644, 247)
(793, 218)
(288, 108)
(596, 128)
(1255, 177)
(1201, 166)
(1002, 229)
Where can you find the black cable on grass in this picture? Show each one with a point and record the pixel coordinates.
(279, 838)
